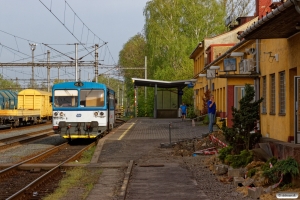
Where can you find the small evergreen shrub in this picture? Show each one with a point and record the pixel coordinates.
(251, 172)
(224, 152)
(241, 160)
(288, 168)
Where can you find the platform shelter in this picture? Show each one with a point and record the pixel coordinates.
(167, 95)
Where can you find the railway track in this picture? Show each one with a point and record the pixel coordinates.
(39, 175)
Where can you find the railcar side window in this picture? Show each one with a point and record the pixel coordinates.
(65, 98)
(92, 98)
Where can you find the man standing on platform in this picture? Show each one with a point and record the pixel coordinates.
(211, 105)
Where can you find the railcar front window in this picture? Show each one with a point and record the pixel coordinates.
(65, 98)
(92, 98)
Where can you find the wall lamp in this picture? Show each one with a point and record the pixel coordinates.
(272, 57)
(237, 54)
(214, 67)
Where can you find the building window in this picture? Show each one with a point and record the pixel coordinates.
(281, 92)
(264, 94)
(272, 94)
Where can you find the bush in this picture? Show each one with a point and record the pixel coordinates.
(287, 168)
(241, 160)
(251, 172)
(224, 152)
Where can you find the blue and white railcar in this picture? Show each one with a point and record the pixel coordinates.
(82, 109)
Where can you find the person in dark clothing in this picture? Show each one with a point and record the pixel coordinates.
(211, 105)
(183, 110)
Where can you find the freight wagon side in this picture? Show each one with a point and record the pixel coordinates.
(36, 100)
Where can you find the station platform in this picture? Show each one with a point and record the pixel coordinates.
(135, 165)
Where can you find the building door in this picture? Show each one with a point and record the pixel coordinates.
(297, 109)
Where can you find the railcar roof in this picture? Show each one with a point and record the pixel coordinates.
(34, 92)
(70, 85)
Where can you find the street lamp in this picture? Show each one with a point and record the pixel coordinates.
(32, 70)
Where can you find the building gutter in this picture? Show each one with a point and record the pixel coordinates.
(270, 16)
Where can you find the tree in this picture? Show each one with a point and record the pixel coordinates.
(205, 99)
(130, 57)
(9, 84)
(244, 121)
(173, 28)
(236, 8)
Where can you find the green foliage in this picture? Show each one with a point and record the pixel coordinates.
(266, 166)
(244, 121)
(251, 172)
(288, 168)
(6, 84)
(205, 99)
(206, 119)
(254, 139)
(191, 112)
(173, 29)
(241, 160)
(224, 152)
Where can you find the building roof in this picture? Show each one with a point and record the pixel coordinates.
(280, 23)
(162, 84)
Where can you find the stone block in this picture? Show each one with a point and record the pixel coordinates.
(237, 180)
(235, 172)
(254, 192)
(220, 169)
(248, 181)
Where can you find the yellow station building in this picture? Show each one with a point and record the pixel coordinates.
(261, 51)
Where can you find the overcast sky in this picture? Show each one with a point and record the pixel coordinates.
(96, 21)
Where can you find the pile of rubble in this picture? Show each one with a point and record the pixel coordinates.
(208, 145)
(255, 187)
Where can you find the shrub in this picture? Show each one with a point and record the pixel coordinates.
(224, 152)
(240, 160)
(251, 172)
(287, 168)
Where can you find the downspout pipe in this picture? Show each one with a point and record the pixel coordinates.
(257, 80)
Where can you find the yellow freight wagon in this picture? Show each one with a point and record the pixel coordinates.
(33, 107)
(30, 99)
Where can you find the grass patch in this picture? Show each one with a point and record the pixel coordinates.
(78, 182)
(87, 155)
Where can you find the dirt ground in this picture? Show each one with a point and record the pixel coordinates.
(214, 186)
(187, 148)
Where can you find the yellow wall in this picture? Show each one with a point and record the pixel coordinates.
(278, 126)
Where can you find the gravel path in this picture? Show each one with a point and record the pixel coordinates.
(16, 131)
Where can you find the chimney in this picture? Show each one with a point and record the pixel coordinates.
(262, 7)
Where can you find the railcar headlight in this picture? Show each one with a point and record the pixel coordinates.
(101, 113)
(55, 114)
(61, 114)
(96, 113)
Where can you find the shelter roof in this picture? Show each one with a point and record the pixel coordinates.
(162, 84)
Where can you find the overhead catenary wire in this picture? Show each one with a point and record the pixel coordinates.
(16, 51)
(63, 22)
